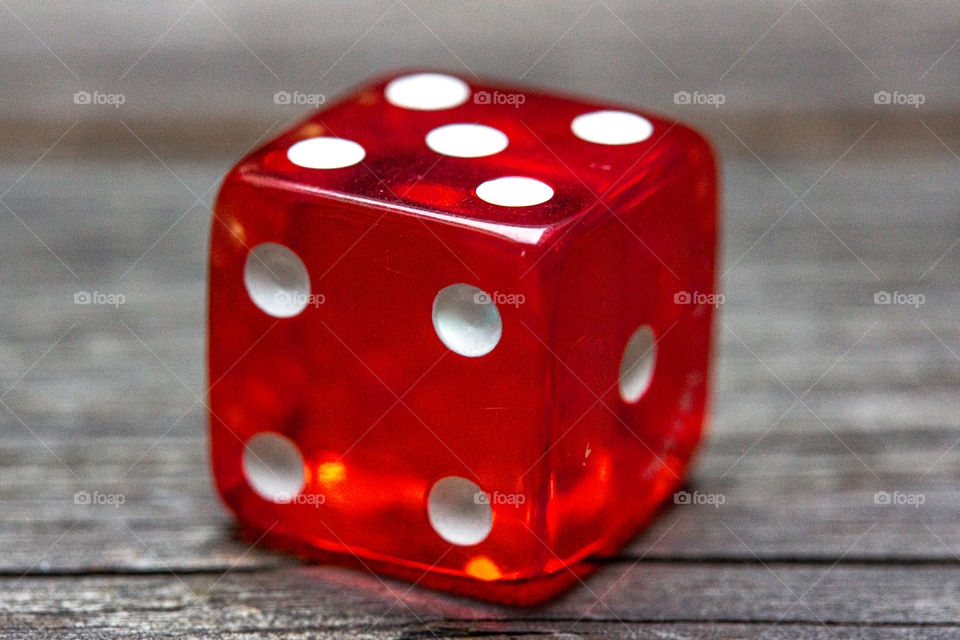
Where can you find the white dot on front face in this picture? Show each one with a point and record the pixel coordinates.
(276, 280)
(325, 153)
(467, 140)
(427, 92)
(637, 364)
(514, 191)
(467, 320)
(273, 466)
(611, 127)
(459, 511)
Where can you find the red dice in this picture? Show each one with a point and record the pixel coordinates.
(460, 332)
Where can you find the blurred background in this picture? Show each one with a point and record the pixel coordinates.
(837, 398)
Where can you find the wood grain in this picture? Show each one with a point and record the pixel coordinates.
(112, 407)
(822, 398)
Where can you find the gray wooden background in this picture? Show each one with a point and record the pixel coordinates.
(824, 399)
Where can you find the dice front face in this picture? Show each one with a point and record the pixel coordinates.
(379, 409)
(448, 335)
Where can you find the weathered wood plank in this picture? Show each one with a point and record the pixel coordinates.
(792, 496)
(521, 629)
(112, 407)
(617, 600)
(98, 399)
(778, 56)
(771, 328)
(799, 483)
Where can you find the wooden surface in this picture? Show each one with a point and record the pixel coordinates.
(822, 398)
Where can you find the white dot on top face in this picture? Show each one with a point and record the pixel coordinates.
(325, 153)
(273, 466)
(459, 511)
(467, 140)
(467, 320)
(514, 191)
(276, 280)
(611, 127)
(637, 364)
(427, 92)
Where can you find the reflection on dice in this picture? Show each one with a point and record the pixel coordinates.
(459, 333)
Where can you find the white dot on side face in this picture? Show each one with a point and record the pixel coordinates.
(467, 140)
(459, 511)
(514, 191)
(325, 153)
(276, 280)
(427, 92)
(637, 364)
(273, 466)
(467, 320)
(611, 127)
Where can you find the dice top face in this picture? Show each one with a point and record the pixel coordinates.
(506, 160)
(461, 330)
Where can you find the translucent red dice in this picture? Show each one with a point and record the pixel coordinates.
(460, 332)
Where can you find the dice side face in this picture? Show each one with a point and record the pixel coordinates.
(635, 302)
(343, 421)
(389, 440)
